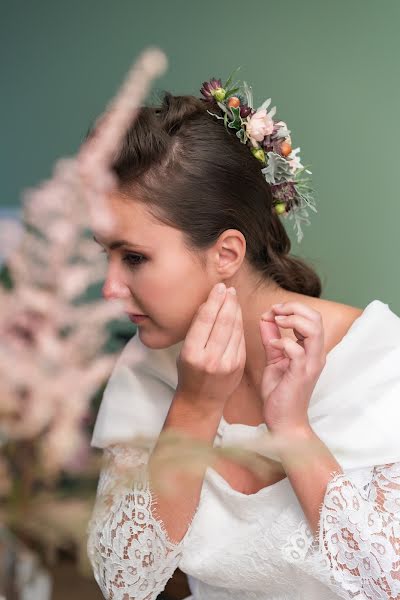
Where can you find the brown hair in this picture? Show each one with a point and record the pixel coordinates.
(196, 176)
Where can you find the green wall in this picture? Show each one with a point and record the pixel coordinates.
(331, 68)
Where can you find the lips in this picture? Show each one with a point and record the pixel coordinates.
(136, 318)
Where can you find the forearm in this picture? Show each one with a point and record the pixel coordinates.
(178, 500)
(309, 466)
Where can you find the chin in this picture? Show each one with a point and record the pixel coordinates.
(158, 342)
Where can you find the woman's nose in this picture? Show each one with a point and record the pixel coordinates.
(114, 287)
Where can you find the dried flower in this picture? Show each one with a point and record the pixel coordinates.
(269, 142)
(213, 90)
(245, 111)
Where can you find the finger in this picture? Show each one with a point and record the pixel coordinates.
(223, 327)
(294, 352)
(273, 374)
(298, 308)
(306, 331)
(234, 348)
(271, 327)
(270, 331)
(203, 321)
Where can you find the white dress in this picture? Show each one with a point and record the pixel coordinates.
(259, 546)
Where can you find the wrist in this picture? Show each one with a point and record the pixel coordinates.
(296, 441)
(197, 416)
(298, 431)
(202, 406)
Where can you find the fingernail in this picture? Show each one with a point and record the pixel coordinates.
(280, 317)
(274, 340)
(220, 288)
(232, 291)
(266, 315)
(277, 305)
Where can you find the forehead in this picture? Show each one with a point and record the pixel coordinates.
(132, 223)
(127, 210)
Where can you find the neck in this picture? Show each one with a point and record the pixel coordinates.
(254, 303)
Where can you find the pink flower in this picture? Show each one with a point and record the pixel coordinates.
(259, 125)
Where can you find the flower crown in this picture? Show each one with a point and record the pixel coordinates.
(270, 143)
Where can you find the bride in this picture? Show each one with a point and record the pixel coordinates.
(234, 346)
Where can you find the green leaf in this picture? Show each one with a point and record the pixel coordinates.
(265, 104)
(303, 168)
(236, 122)
(223, 107)
(231, 77)
(282, 133)
(248, 92)
(232, 91)
(277, 169)
(307, 199)
(241, 134)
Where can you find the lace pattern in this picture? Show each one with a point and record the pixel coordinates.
(357, 548)
(355, 553)
(131, 555)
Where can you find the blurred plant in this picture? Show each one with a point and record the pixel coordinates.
(53, 346)
(53, 334)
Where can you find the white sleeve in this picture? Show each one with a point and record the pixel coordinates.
(131, 555)
(356, 550)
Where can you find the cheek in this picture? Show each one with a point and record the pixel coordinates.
(171, 296)
(185, 280)
(175, 291)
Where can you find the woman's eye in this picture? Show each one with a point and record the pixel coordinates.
(134, 260)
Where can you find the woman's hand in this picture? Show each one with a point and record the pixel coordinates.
(293, 367)
(213, 356)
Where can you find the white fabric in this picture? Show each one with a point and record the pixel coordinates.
(344, 408)
(259, 546)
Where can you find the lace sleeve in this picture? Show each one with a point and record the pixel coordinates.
(356, 550)
(131, 555)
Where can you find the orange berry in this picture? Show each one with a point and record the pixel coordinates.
(233, 102)
(286, 149)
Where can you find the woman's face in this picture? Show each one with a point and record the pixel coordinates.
(152, 272)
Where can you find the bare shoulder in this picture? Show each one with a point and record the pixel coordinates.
(332, 311)
(337, 319)
(338, 310)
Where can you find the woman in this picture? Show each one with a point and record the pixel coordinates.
(195, 212)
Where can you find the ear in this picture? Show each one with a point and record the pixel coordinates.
(229, 252)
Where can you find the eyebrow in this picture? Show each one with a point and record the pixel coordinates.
(118, 243)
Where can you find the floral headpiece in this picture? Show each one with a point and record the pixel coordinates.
(270, 143)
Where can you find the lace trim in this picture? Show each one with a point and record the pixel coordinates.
(129, 549)
(356, 551)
